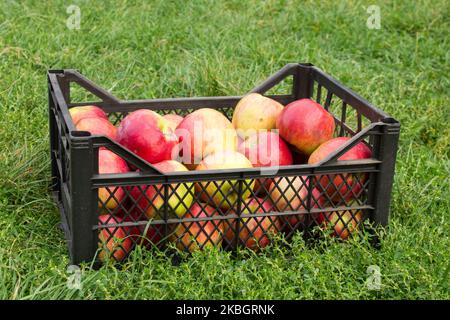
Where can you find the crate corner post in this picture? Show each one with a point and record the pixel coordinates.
(302, 86)
(84, 202)
(387, 152)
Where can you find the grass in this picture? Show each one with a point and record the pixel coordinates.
(182, 48)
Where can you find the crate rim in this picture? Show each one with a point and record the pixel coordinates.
(148, 171)
(107, 96)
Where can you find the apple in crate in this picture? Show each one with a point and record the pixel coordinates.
(290, 193)
(151, 235)
(173, 119)
(266, 149)
(148, 234)
(343, 186)
(79, 113)
(115, 243)
(180, 195)
(256, 232)
(203, 132)
(343, 223)
(98, 126)
(223, 193)
(148, 135)
(254, 113)
(305, 124)
(109, 162)
(192, 236)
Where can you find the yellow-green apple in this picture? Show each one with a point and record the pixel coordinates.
(173, 119)
(266, 149)
(109, 162)
(148, 135)
(195, 235)
(305, 124)
(344, 186)
(254, 113)
(98, 126)
(151, 200)
(254, 232)
(115, 243)
(223, 193)
(78, 113)
(203, 132)
(343, 222)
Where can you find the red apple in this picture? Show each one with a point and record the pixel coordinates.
(109, 162)
(147, 235)
(305, 124)
(191, 236)
(256, 232)
(98, 126)
(203, 132)
(343, 223)
(180, 195)
(174, 120)
(291, 194)
(223, 193)
(266, 149)
(78, 113)
(355, 182)
(150, 235)
(148, 135)
(255, 113)
(115, 243)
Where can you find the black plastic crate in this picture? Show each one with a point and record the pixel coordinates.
(301, 198)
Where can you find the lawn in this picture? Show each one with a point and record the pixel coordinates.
(200, 48)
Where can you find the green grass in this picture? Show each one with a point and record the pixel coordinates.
(165, 49)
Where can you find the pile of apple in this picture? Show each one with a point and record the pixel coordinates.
(263, 133)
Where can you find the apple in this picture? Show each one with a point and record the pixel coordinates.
(115, 243)
(265, 149)
(180, 195)
(97, 126)
(355, 181)
(305, 124)
(203, 132)
(254, 233)
(223, 194)
(78, 113)
(291, 194)
(174, 120)
(343, 223)
(195, 235)
(150, 235)
(254, 113)
(147, 235)
(109, 162)
(148, 135)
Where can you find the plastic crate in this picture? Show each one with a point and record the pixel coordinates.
(75, 184)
